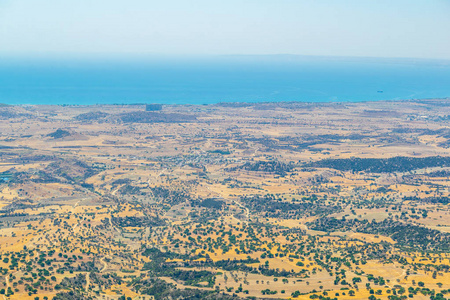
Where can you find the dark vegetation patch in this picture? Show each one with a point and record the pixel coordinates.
(7, 113)
(8, 210)
(105, 280)
(121, 181)
(6, 147)
(220, 151)
(380, 113)
(382, 165)
(5, 154)
(77, 282)
(301, 143)
(275, 207)
(156, 254)
(242, 265)
(25, 159)
(435, 200)
(275, 167)
(444, 144)
(155, 117)
(59, 134)
(60, 171)
(205, 215)
(285, 143)
(405, 130)
(406, 235)
(129, 189)
(441, 132)
(324, 138)
(442, 173)
(236, 264)
(209, 203)
(72, 170)
(153, 107)
(191, 277)
(137, 221)
(162, 290)
(37, 177)
(171, 197)
(91, 116)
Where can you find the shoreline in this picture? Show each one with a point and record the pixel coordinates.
(233, 103)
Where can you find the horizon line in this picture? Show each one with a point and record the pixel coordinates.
(134, 56)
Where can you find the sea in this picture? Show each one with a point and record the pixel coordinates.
(209, 80)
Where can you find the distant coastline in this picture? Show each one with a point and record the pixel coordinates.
(445, 101)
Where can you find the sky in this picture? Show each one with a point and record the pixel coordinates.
(367, 28)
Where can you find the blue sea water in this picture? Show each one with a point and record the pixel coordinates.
(220, 79)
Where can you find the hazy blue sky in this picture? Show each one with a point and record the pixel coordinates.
(386, 28)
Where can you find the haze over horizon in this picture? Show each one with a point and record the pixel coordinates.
(400, 29)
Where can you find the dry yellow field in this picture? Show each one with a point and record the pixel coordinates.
(253, 201)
